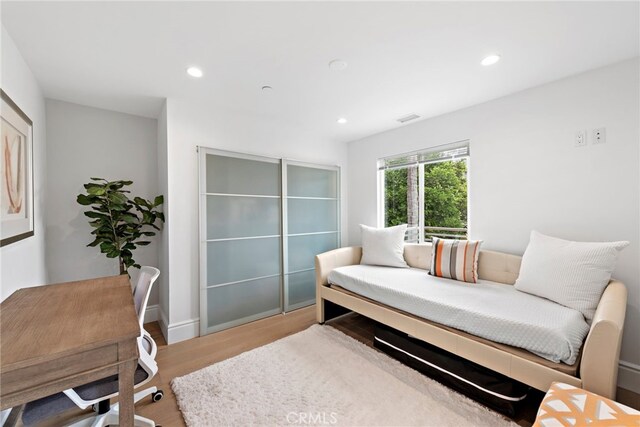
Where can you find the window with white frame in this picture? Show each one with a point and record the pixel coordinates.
(427, 190)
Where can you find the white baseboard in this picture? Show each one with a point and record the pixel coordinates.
(175, 332)
(629, 376)
(164, 322)
(151, 314)
(184, 330)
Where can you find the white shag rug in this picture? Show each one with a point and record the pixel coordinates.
(322, 377)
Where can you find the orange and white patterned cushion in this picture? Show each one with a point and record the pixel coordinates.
(565, 405)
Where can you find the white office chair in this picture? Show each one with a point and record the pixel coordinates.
(141, 292)
(98, 393)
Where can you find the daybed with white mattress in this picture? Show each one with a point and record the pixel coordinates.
(527, 338)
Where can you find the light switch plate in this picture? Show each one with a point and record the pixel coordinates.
(581, 138)
(599, 136)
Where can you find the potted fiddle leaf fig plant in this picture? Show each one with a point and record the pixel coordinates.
(120, 224)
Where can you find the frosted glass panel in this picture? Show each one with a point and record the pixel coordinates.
(301, 288)
(243, 302)
(303, 249)
(311, 215)
(233, 260)
(242, 217)
(231, 175)
(241, 204)
(310, 182)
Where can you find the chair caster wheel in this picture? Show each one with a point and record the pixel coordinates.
(157, 396)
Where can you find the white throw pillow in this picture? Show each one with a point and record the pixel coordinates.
(383, 246)
(573, 274)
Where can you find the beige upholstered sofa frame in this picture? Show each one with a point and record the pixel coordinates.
(597, 369)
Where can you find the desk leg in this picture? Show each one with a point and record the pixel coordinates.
(125, 388)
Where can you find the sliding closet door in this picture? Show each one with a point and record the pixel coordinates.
(311, 226)
(240, 232)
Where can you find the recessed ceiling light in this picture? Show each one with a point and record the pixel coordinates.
(490, 60)
(267, 88)
(195, 72)
(342, 120)
(337, 65)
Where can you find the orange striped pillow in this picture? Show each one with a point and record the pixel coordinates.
(455, 259)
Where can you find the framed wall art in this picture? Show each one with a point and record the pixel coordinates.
(16, 173)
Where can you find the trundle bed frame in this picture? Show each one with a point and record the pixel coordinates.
(596, 369)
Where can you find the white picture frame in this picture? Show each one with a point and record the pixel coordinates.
(16, 173)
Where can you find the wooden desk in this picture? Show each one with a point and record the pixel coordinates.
(56, 337)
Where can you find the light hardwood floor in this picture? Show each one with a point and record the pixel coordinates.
(188, 356)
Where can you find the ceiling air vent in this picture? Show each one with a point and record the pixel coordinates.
(408, 118)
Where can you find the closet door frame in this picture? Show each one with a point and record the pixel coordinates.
(285, 225)
(202, 235)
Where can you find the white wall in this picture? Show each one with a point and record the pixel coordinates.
(191, 125)
(86, 142)
(23, 263)
(526, 173)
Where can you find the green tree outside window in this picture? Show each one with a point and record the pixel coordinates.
(445, 195)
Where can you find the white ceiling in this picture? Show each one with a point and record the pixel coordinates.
(403, 57)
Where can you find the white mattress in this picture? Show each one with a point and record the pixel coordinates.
(490, 310)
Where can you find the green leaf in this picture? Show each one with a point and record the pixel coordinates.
(84, 199)
(93, 214)
(120, 208)
(142, 202)
(143, 243)
(158, 201)
(129, 218)
(108, 246)
(96, 242)
(91, 185)
(118, 198)
(96, 191)
(98, 179)
(147, 217)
